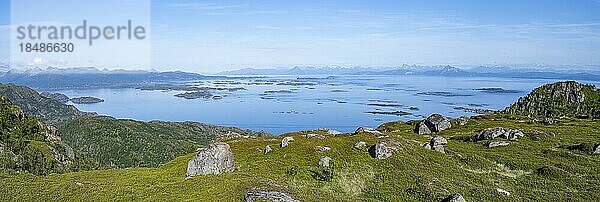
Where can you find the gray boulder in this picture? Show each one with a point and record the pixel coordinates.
(596, 149)
(312, 135)
(215, 159)
(267, 149)
(322, 149)
(433, 123)
(436, 143)
(454, 198)
(422, 128)
(385, 149)
(286, 141)
(498, 144)
(438, 123)
(265, 195)
(333, 132)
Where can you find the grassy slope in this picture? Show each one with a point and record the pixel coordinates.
(414, 174)
(121, 143)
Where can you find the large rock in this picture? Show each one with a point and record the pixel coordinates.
(385, 149)
(359, 145)
(454, 198)
(597, 149)
(265, 195)
(286, 141)
(491, 133)
(215, 159)
(422, 128)
(267, 149)
(433, 123)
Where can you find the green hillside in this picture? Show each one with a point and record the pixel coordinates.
(538, 167)
(120, 143)
(27, 145)
(562, 99)
(48, 110)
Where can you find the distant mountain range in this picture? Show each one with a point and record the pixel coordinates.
(90, 77)
(482, 71)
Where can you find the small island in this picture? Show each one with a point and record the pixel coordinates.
(86, 100)
(195, 95)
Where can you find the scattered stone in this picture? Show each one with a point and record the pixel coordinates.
(267, 149)
(502, 192)
(367, 130)
(438, 140)
(497, 144)
(312, 135)
(438, 148)
(324, 161)
(322, 149)
(360, 145)
(333, 132)
(285, 141)
(385, 149)
(492, 133)
(78, 183)
(426, 146)
(454, 198)
(436, 143)
(260, 195)
(463, 120)
(215, 159)
(433, 123)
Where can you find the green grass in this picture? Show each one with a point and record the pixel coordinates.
(537, 167)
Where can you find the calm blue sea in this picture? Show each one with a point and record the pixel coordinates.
(310, 102)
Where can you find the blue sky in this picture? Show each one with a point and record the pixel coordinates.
(211, 36)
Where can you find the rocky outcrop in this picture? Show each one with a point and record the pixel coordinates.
(385, 149)
(286, 141)
(436, 143)
(367, 130)
(433, 123)
(570, 99)
(454, 198)
(497, 144)
(491, 133)
(217, 158)
(265, 195)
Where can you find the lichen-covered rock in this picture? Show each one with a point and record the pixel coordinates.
(422, 128)
(385, 149)
(262, 195)
(454, 198)
(217, 158)
(433, 123)
(286, 141)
